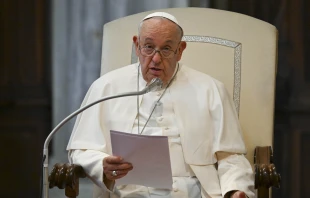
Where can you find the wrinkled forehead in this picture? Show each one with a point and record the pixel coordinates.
(160, 31)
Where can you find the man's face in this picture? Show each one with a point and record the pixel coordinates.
(159, 34)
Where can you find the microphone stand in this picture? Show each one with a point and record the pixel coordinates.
(154, 84)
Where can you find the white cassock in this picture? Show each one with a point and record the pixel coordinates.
(198, 117)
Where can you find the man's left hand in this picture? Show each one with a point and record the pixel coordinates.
(238, 194)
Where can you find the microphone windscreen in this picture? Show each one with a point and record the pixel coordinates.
(155, 84)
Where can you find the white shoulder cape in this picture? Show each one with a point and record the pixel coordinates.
(205, 114)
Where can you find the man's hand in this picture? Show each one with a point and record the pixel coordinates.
(238, 194)
(115, 163)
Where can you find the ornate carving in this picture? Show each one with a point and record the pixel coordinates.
(66, 176)
(266, 176)
(237, 60)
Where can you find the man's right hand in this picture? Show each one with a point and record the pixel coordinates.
(115, 163)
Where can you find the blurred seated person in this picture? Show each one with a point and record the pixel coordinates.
(193, 109)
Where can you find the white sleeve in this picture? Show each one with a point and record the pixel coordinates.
(91, 161)
(235, 173)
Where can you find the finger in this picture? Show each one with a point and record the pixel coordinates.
(119, 174)
(121, 168)
(110, 177)
(118, 166)
(239, 194)
(112, 160)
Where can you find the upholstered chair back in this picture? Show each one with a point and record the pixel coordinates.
(236, 49)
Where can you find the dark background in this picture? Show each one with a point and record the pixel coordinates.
(25, 91)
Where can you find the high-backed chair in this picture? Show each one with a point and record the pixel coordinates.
(236, 49)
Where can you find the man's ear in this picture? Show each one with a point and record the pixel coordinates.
(135, 40)
(182, 47)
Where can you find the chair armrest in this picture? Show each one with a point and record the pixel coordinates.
(266, 175)
(66, 176)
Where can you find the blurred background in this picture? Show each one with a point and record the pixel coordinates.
(51, 53)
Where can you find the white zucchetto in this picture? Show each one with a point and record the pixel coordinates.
(164, 15)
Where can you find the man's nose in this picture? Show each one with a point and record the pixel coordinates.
(157, 57)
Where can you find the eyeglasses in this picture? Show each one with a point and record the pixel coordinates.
(151, 51)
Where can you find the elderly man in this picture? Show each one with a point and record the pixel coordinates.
(192, 109)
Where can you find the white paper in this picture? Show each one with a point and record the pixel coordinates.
(149, 156)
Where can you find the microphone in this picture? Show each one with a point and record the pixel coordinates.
(155, 84)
